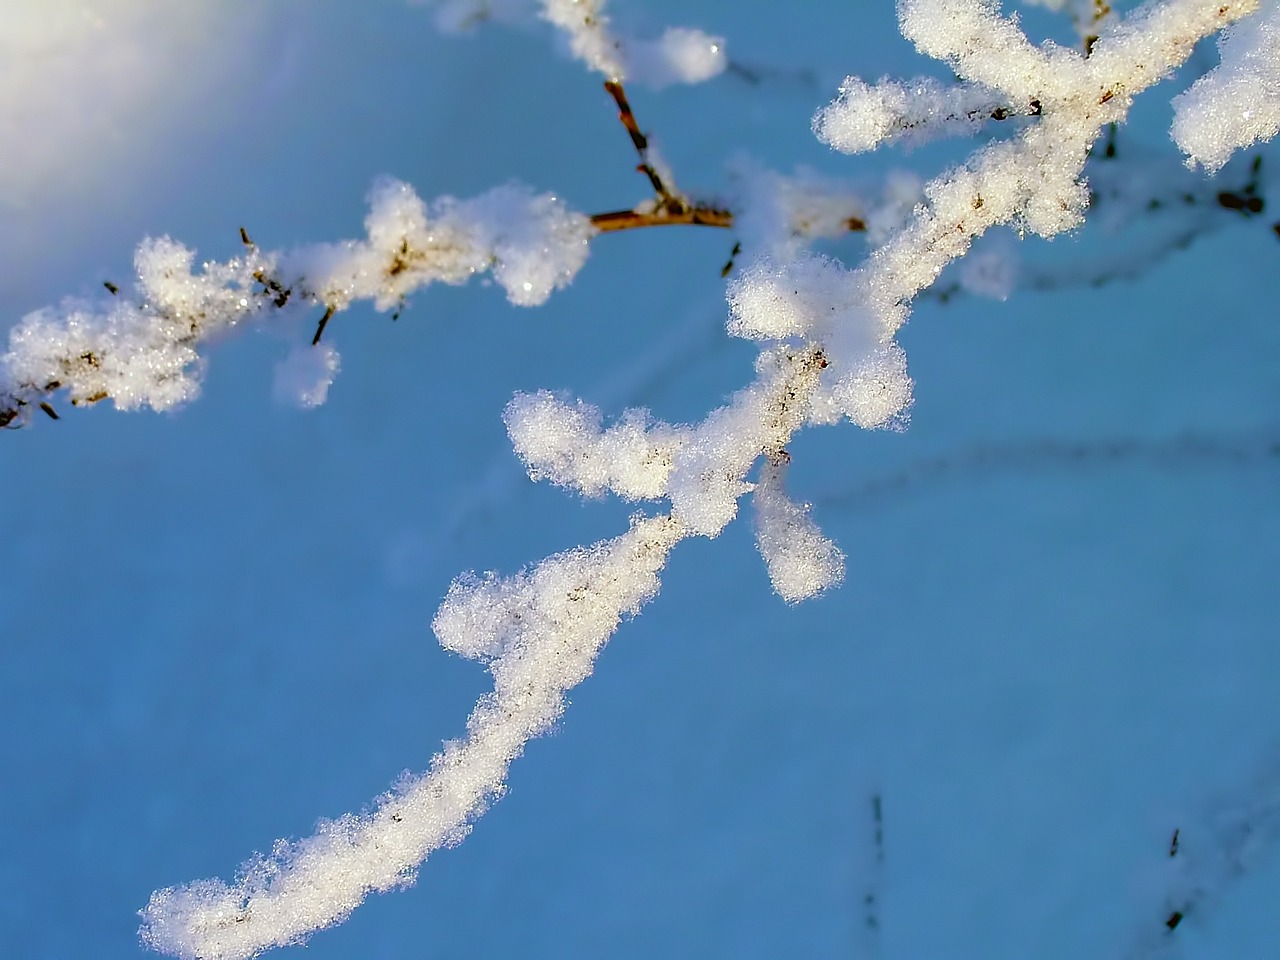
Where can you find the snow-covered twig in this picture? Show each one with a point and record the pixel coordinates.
(141, 348)
(679, 55)
(539, 632)
(1237, 103)
(1145, 207)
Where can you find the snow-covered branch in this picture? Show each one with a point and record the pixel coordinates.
(142, 347)
(1238, 103)
(539, 632)
(827, 353)
(864, 117)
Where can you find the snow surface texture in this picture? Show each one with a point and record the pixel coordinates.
(864, 117)
(827, 354)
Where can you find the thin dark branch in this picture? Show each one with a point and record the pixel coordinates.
(324, 322)
(699, 216)
(669, 200)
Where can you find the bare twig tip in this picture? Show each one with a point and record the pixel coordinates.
(324, 321)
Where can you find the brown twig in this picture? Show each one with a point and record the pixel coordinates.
(674, 209)
(698, 216)
(671, 202)
(733, 255)
(324, 322)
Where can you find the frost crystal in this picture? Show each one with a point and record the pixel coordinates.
(864, 117)
(566, 444)
(1238, 103)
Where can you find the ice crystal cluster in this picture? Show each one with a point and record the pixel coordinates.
(827, 354)
(1237, 103)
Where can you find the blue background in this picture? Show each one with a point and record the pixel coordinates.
(1056, 641)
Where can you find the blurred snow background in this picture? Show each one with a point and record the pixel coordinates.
(1056, 642)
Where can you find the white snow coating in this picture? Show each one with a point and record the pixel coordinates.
(539, 633)
(864, 117)
(141, 349)
(701, 469)
(531, 242)
(303, 377)
(1237, 103)
(566, 444)
(802, 563)
(586, 28)
(775, 300)
(828, 353)
(680, 55)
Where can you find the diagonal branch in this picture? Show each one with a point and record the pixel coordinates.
(669, 200)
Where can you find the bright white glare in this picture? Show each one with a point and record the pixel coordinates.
(87, 87)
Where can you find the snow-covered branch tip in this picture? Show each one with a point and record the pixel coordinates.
(142, 347)
(801, 561)
(679, 55)
(539, 632)
(1179, 205)
(1236, 104)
